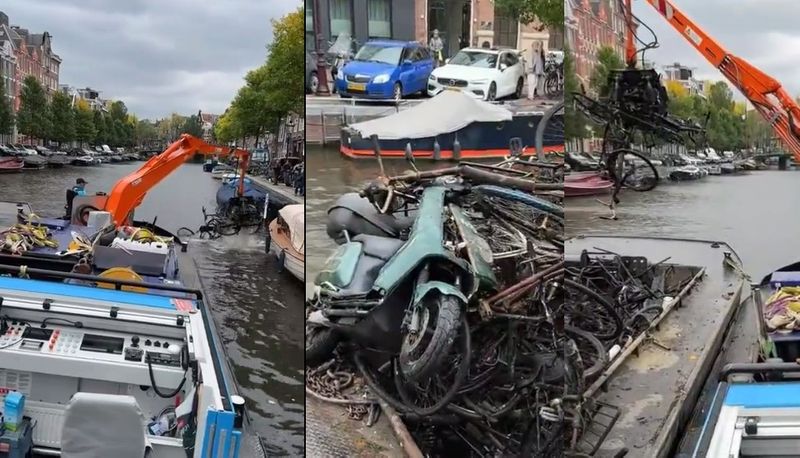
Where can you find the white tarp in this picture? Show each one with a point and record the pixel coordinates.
(295, 217)
(448, 112)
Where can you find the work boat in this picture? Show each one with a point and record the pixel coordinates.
(108, 346)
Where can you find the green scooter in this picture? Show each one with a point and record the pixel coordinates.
(402, 297)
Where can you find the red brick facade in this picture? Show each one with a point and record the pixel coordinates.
(591, 25)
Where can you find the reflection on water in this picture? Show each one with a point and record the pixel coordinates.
(751, 212)
(259, 310)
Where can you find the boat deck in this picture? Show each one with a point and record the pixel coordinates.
(330, 433)
(656, 388)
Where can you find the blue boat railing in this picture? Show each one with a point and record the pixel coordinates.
(221, 438)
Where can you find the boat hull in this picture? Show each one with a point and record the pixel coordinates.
(477, 140)
(586, 185)
(11, 165)
(281, 247)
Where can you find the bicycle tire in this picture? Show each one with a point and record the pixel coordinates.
(557, 109)
(604, 303)
(612, 167)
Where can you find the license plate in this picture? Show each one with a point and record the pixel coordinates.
(357, 86)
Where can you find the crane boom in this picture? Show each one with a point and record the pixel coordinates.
(766, 94)
(129, 191)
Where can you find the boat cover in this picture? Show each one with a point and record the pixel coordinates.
(294, 215)
(448, 112)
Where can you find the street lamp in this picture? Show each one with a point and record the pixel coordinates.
(322, 71)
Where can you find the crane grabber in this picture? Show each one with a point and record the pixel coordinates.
(129, 192)
(766, 94)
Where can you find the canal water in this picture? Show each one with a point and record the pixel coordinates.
(753, 213)
(259, 310)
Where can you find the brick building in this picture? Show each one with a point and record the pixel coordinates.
(461, 23)
(23, 54)
(591, 25)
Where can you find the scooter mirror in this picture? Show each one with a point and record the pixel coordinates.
(376, 148)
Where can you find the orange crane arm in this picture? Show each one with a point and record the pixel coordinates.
(764, 92)
(129, 191)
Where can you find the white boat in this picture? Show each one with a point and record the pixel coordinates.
(286, 239)
(713, 169)
(221, 170)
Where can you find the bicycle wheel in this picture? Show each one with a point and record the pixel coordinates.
(550, 131)
(632, 170)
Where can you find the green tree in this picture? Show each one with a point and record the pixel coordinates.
(607, 60)
(575, 122)
(33, 117)
(118, 111)
(192, 126)
(112, 139)
(145, 133)
(6, 113)
(62, 118)
(101, 133)
(549, 12)
(85, 131)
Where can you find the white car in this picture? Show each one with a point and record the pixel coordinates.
(487, 74)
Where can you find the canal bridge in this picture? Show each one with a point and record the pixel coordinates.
(783, 158)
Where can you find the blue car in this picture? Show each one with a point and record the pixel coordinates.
(386, 69)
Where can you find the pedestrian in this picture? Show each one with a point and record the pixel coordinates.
(436, 46)
(536, 69)
(300, 180)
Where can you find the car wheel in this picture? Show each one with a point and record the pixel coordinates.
(518, 92)
(314, 82)
(492, 94)
(397, 93)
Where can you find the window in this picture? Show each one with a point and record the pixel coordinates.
(311, 41)
(510, 59)
(380, 18)
(505, 30)
(341, 12)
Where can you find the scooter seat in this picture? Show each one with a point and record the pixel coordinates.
(379, 247)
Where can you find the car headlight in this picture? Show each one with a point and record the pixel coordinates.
(381, 78)
(483, 81)
(431, 77)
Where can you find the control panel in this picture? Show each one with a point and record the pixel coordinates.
(91, 353)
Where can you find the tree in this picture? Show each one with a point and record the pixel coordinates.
(192, 126)
(145, 133)
(85, 131)
(574, 121)
(549, 12)
(101, 133)
(32, 117)
(62, 118)
(607, 60)
(118, 111)
(6, 113)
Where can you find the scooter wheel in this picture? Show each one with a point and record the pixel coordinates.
(320, 344)
(422, 353)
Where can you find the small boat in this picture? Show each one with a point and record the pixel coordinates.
(713, 169)
(687, 172)
(586, 184)
(220, 170)
(727, 168)
(209, 165)
(228, 191)
(35, 162)
(11, 164)
(84, 161)
(451, 125)
(286, 239)
(57, 161)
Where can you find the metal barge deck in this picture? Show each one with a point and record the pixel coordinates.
(657, 387)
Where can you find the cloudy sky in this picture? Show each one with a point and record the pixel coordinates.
(158, 56)
(763, 32)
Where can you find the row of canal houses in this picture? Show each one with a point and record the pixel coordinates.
(24, 54)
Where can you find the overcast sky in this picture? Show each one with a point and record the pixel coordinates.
(157, 56)
(763, 32)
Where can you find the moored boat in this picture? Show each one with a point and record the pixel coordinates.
(286, 239)
(586, 184)
(57, 161)
(11, 164)
(451, 125)
(35, 162)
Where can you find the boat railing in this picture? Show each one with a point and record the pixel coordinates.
(118, 283)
